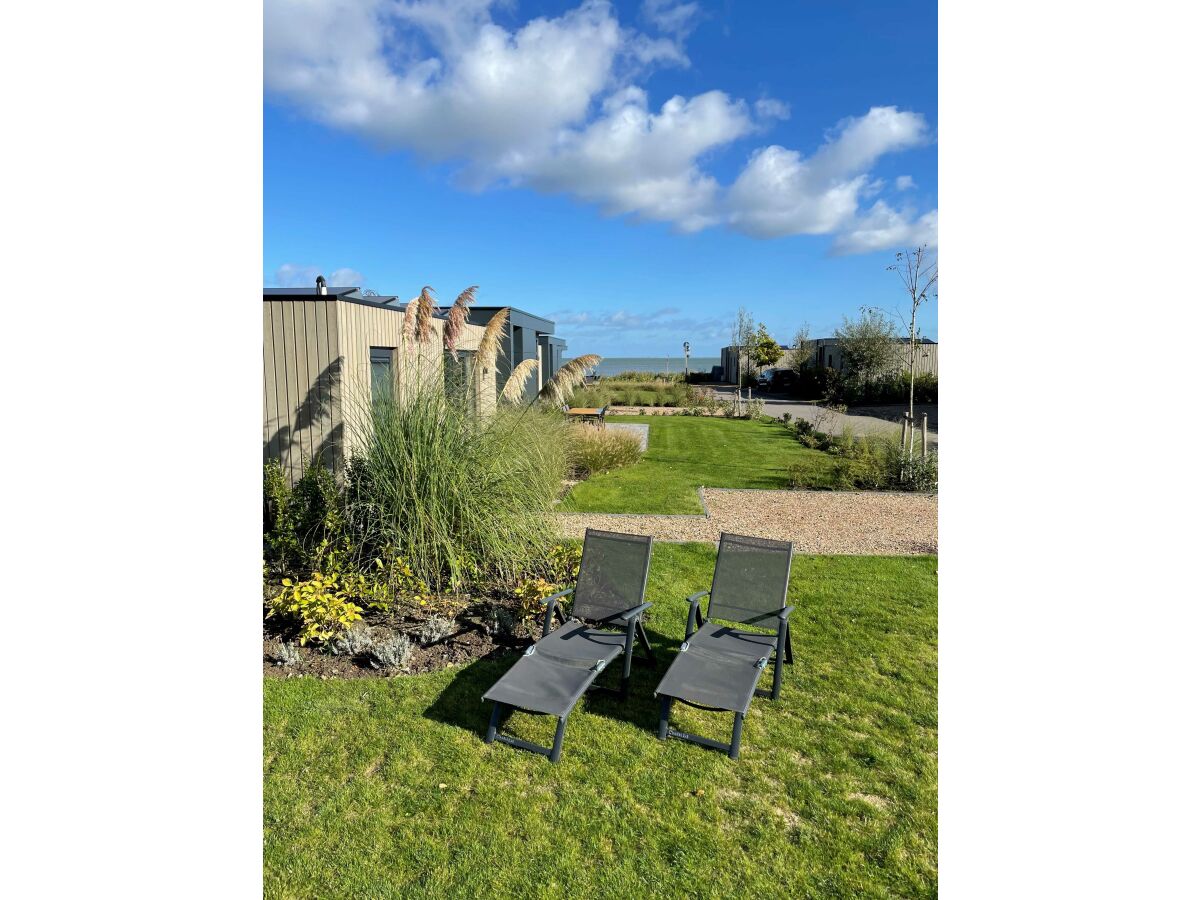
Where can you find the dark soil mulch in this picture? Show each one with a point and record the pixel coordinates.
(469, 641)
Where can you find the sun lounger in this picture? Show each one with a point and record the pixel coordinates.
(718, 668)
(556, 671)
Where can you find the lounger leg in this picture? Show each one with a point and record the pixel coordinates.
(556, 750)
(645, 639)
(780, 650)
(497, 714)
(664, 717)
(625, 672)
(788, 644)
(736, 744)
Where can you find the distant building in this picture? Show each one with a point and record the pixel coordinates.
(526, 336)
(827, 354)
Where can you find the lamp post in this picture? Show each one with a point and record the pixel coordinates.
(686, 348)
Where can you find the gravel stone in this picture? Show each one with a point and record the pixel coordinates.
(826, 522)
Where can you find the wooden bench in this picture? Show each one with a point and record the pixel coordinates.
(583, 412)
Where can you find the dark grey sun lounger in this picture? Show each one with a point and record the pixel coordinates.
(556, 671)
(718, 668)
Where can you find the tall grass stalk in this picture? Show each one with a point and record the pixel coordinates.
(463, 498)
(514, 388)
(567, 378)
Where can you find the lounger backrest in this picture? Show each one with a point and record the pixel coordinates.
(612, 574)
(751, 579)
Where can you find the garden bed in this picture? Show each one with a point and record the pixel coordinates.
(472, 638)
(466, 646)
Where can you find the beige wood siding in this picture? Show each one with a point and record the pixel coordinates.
(317, 374)
(299, 382)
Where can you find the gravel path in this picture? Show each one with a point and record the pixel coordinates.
(833, 522)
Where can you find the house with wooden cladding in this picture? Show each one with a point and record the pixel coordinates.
(327, 352)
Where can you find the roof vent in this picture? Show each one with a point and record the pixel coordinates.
(321, 289)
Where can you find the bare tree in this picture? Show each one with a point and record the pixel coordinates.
(918, 271)
(744, 336)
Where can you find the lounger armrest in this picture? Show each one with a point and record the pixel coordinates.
(554, 597)
(632, 615)
(694, 611)
(785, 612)
(551, 604)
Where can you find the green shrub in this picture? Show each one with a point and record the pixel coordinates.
(594, 450)
(296, 520)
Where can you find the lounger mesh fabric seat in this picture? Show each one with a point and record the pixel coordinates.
(556, 671)
(718, 667)
(552, 678)
(713, 679)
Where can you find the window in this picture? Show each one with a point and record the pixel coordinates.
(457, 370)
(382, 379)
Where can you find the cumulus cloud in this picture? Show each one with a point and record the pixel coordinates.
(905, 182)
(781, 193)
(554, 105)
(294, 275)
(883, 228)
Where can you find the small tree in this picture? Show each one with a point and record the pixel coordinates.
(868, 345)
(767, 351)
(802, 349)
(919, 274)
(744, 337)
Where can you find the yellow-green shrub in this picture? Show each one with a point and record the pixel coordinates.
(319, 606)
(563, 570)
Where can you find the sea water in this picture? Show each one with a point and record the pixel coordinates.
(613, 365)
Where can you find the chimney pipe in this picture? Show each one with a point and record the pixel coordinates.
(321, 289)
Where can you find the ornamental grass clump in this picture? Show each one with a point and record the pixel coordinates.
(594, 450)
(464, 498)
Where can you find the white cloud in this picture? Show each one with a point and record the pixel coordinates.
(782, 193)
(554, 105)
(632, 160)
(672, 16)
(905, 182)
(769, 108)
(296, 275)
(347, 278)
(293, 275)
(883, 228)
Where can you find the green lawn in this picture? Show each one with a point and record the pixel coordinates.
(689, 451)
(384, 788)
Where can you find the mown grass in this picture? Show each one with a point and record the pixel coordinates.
(686, 452)
(384, 788)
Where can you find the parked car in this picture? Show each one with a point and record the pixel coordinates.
(784, 380)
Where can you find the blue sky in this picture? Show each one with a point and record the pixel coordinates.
(535, 149)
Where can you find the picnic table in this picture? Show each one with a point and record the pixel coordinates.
(586, 412)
